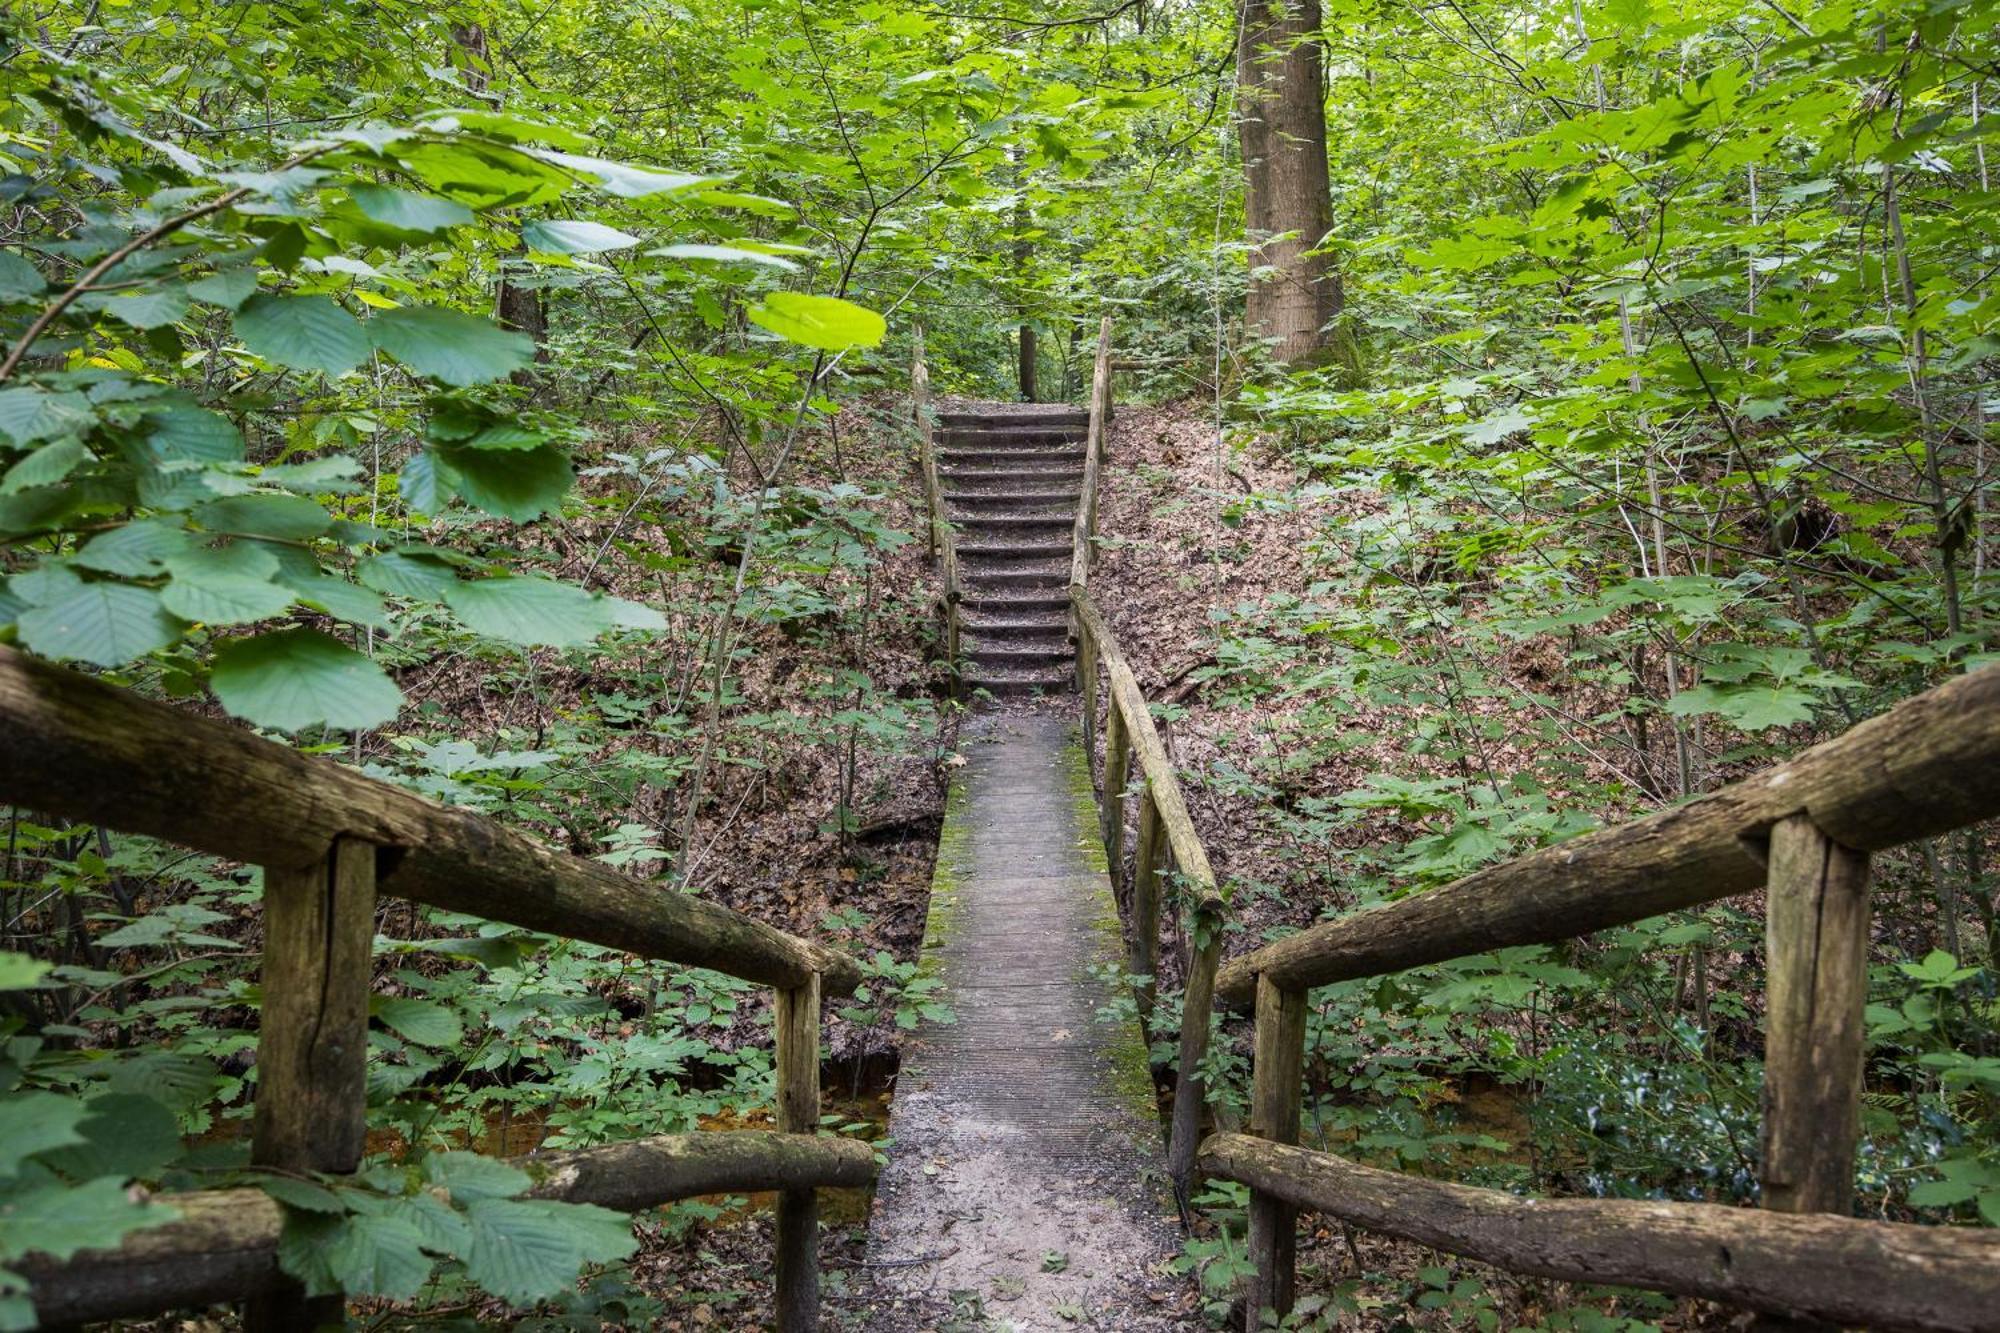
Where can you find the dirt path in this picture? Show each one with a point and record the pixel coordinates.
(1023, 1185)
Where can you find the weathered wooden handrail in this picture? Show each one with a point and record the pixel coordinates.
(943, 539)
(78, 747)
(225, 1244)
(1083, 544)
(330, 840)
(1928, 765)
(1163, 813)
(1854, 1273)
(1803, 829)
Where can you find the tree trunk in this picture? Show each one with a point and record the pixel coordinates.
(1281, 117)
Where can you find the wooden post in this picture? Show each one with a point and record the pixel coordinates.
(1278, 1088)
(1116, 753)
(312, 1039)
(797, 1018)
(1086, 686)
(1145, 954)
(1190, 1094)
(1816, 947)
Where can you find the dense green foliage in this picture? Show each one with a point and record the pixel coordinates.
(462, 389)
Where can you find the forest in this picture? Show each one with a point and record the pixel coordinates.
(600, 598)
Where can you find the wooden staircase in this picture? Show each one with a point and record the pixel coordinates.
(1012, 474)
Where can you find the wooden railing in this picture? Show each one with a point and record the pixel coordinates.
(943, 541)
(1804, 831)
(330, 841)
(1167, 838)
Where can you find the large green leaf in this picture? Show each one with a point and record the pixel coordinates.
(29, 414)
(285, 518)
(19, 279)
(575, 238)
(123, 1134)
(45, 466)
(468, 1176)
(533, 612)
(298, 678)
(525, 1250)
(376, 1253)
(518, 484)
(450, 346)
(303, 332)
(425, 1022)
(106, 624)
(825, 322)
(135, 550)
(406, 574)
(36, 1122)
(409, 210)
(57, 1220)
(225, 599)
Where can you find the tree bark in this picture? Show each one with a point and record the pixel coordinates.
(1281, 117)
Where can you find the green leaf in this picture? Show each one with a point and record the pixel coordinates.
(721, 254)
(57, 1220)
(29, 414)
(825, 322)
(341, 600)
(378, 1254)
(575, 238)
(20, 972)
(517, 484)
(528, 611)
(524, 1250)
(407, 574)
(1751, 707)
(19, 280)
(297, 678)
(36, 1122)
(106, 624)
(409, 210)
(469, 1175)
(136, 550)
(285, 518)
(124, 1134)
(447, 345)
(303, 332)
(615, 178)
(225, 599)
(145, 308)
(228, 287)
(425, 482)
(425, 1022)
(45, 466)
(302, 1194)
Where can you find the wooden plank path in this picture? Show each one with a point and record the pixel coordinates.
(1025, 1167)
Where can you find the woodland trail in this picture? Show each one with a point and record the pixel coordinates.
(1025, 1170)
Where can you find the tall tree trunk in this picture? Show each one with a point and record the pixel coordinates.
(1023, 251)
(1281, 118)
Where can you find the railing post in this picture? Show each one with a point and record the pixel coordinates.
(1190, 1093)
(312, 1039)
(797, 1020)
(1816, 922)
(1145, 953)
(1086, 687)
(1278, 1089)
(1116, 755)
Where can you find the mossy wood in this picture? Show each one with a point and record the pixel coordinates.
(225, 1244)
(797, 1023)
(82, 748)
(1277, 1091)
(1928, 765)
(311, 1112)
(1880, 1275)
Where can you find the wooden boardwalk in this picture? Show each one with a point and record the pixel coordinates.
(1025, 1172)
